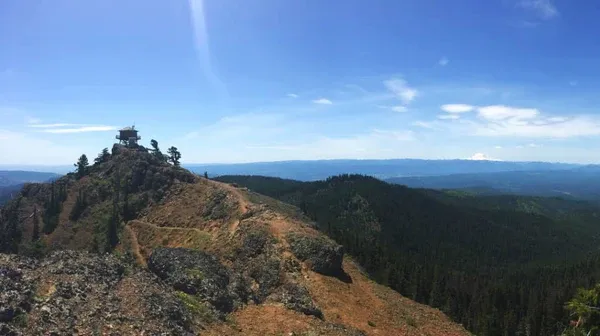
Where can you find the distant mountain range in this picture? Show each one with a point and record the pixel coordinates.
(14, 177)
(312, 170)
(382, 169)
(11, 181)
(577, 183)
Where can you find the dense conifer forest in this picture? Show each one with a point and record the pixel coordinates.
(498, 265)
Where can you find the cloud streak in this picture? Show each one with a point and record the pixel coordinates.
(201, 43)
(543, 8)
(402, 90)
(506, 121)
(448, 116)
(35, 125)
(323, 101)
(82, 129)
(457, 108)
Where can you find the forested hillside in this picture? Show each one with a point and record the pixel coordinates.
(498, 267)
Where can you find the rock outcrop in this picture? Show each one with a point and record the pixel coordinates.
(321, 253)
(177, 254)
(72, 293)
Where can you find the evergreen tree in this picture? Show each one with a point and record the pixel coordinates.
(206, 175)
(156, 151)
(79, 206)
(102, 157)
(491, 270)
(52, 208)
(35, 236)
(174, 156)
(82, 165)
(585, 310)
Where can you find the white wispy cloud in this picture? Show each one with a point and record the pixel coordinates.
(292, 95)
(498, 147)
(323, 101)
(82, 129)
(201, 44)
(500, 120)
(425, 124)
(401, 89)
(457, 108)
(36, 125)
(545, 9)
(448, 116)
(399, 108)
(443, 61)
(501, 112)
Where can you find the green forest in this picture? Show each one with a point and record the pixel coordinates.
(500, 265)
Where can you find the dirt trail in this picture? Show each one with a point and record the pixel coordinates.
(166, 228)
(244, 206)
(358, 303)
(135, 246)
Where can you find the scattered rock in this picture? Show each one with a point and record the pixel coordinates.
(194, 272)
(81, 293)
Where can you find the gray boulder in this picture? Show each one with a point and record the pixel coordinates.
(322, 254)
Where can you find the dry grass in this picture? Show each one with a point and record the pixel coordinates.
(145, 237)
(211, 216)
(271, 320)
(363, 301)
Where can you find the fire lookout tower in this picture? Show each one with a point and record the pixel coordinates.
(128, 136)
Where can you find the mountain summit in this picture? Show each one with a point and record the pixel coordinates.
(134, 245)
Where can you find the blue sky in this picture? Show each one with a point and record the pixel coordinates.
(267, 80)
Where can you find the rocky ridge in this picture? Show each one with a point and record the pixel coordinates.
(194, 256)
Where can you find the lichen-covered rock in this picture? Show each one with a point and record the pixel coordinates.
(254, 243)
(296, 297)
(194, 272)
(7, 330)
(322, 254)
(71, 293)
(265, 270)
(15, 292)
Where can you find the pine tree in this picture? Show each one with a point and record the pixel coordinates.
(82, 165)
(102, 157)
(52, 208)
(156, 151)
(79, 206)
(174, 155)
(35, 236)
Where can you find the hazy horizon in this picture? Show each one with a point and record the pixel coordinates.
(64, 168)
